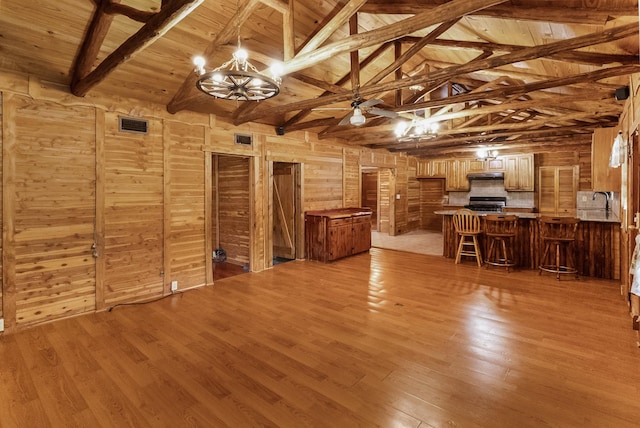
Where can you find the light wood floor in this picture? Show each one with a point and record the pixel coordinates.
(381, 339)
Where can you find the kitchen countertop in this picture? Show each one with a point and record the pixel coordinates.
(598, 215)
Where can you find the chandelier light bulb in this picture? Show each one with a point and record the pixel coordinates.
(199, 62)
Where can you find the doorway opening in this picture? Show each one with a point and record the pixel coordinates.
(231, 220)
(369, 194)
(286, 213)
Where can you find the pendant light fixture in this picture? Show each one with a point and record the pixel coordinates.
(238, 79)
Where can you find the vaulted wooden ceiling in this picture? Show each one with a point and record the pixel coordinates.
(519, 75)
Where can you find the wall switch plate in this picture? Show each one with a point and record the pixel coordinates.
(1, 324)
(174, 285)
(397, 195)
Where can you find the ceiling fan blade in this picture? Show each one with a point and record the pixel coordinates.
(371, 102)
(345, 120)
(380, 112)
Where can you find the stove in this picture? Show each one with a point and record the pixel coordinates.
(487, 203)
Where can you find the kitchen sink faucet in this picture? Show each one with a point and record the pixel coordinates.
(606, 199)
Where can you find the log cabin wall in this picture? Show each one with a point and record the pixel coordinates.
(146, 200)
(185, 255)
(1, 213)
(413, 196)
(233, 208)
(351, 182)
(575, 154)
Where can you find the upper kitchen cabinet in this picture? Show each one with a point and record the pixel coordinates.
(457, 171)
(603, 177)
(519, 172)
(435, 168)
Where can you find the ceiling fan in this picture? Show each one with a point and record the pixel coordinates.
(358, 108)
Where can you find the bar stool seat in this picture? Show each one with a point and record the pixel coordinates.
(468, 227)
(500, 231)
(558, 234)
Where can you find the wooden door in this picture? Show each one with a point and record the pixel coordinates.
(49, 207)
(558, 187)
(431, 195)
(284, 210)
(370, 195)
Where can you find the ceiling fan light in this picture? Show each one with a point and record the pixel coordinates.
(357, 118)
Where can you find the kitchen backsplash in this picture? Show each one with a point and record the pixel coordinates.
(585, 201)
(492, 188)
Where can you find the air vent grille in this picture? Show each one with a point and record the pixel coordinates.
(243, 139)
(138, 126)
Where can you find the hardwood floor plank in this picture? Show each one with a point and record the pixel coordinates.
(379, 339)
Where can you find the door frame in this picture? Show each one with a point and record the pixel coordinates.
(299, 211)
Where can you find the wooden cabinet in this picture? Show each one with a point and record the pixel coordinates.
(558, 187)
(603, 177)
(519, 172)
(436, 168)
(338, 233)
(457, 171)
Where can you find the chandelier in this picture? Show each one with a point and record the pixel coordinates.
(418, 129)
(238, 79)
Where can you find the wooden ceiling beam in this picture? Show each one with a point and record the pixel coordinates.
(151, 31)
(506, 91)
(550, 13)
(579, 57)
(339, 19)
(449, 73)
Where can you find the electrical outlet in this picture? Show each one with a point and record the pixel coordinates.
(584, 199)
(174, 285)
(1, 324)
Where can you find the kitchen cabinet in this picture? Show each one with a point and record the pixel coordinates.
(603, 177)
(519, 172)
(457, 171)
(557, 191)
(436, 168)
(337, 233)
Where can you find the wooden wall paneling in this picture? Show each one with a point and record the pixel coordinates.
(413, 197)
(99, 242)
(257, 210)
(432, 190)
(1, 220)
(384, 200)
(401, 205)
(234, 207)
(351, 184)
(323, 185)
(8, 215)
(134, 206)
(53, 210)
(185, 237)
(208, 215)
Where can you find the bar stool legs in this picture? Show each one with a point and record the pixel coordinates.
(501, 233)
(558, 234)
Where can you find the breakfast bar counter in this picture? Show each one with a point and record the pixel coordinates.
(597, 245)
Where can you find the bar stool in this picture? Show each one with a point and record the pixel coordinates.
(558, 234)
(467, 225)
(501, 233)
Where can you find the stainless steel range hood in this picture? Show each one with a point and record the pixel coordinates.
(485, 176)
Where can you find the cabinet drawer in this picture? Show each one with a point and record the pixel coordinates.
(336, 222)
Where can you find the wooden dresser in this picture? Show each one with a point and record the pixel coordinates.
(333, 234)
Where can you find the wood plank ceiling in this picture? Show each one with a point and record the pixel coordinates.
(517, 75)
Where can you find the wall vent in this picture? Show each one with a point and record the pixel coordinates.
(243, 139)
(138, 126)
